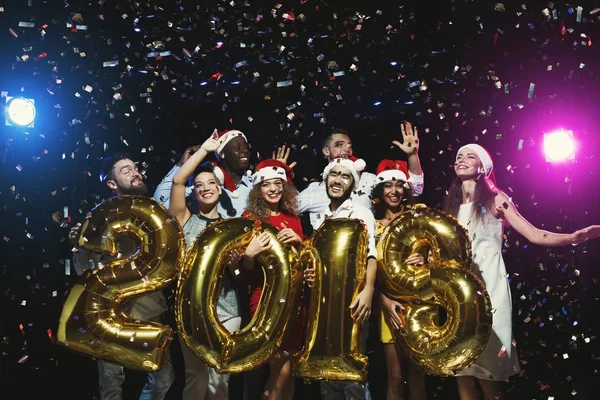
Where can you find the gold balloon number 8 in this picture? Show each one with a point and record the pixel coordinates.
(446, 281)
(145, 249)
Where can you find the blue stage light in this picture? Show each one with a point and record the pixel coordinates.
(20, 111)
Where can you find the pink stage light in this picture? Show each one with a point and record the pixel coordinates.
(559, 146)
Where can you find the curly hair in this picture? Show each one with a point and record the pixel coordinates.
(258, 207)
(378, 204)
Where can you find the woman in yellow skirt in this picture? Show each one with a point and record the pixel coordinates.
(390, 196)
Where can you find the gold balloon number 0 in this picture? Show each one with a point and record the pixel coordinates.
(144, 249)
(444, 282)
(199, 287)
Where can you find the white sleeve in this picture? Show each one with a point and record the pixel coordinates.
(369, 221)
(162, 194)
(313, 199)
(416, 183)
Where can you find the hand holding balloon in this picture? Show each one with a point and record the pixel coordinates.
(288, 236)
(390, 310)
(258, 245)
(309, 276)
(74, 234)
(415, 259)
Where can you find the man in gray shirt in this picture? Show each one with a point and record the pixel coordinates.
(121, 175)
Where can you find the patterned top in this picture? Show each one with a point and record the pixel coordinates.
(227, 303)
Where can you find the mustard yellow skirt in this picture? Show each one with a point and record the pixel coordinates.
(386, 332)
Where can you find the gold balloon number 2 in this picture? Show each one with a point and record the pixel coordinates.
(93, 321)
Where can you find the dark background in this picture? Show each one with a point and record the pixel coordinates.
(450, 57)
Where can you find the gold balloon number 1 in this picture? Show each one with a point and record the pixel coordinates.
(332, 347)
(93, 321)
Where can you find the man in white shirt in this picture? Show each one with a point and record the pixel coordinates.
(340, 177)
(121, 175)
(234, 161)
(314, 198)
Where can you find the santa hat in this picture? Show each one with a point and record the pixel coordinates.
(227, 136)
(354, 164)
(223, 177)
(272, 169)
(392, 170)
(484, 157)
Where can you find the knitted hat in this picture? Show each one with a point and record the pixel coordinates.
(227, 136)
(354, 164)
(272, 169)
(484, 156)
(392, 170)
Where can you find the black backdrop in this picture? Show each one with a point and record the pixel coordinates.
(462, 71)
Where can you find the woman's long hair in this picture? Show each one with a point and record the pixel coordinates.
(378, 204)
(483, 197)
(224, 199)
(258, 207)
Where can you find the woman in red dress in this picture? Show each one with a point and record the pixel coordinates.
(274, 199)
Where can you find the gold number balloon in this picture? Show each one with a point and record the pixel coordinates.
(145, 248)
(331, 351)
(198, 290)
(446, 281)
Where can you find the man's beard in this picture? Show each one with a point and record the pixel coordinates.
(138, 190)
(345, 196)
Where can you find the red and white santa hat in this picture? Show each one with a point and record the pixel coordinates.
(272, 169)
(354, 164)
(392, 170)
(223, 177)
(484, 157)
(227, 136)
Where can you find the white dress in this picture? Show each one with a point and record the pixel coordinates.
(499, 359)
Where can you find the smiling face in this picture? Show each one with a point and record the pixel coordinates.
(206, 188)
(339, 146)
(237, 155)
(393, 193)
(467, 164)
(125, 179)
(339, 183)
(271, 190)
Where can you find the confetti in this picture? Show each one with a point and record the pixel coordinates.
(124, 76)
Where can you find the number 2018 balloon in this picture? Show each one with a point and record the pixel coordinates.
(93, 321)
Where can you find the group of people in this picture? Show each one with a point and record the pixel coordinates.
(199, 192)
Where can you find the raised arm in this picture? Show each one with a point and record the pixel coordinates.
(505, 207)
(178, 206)
(410, 146)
